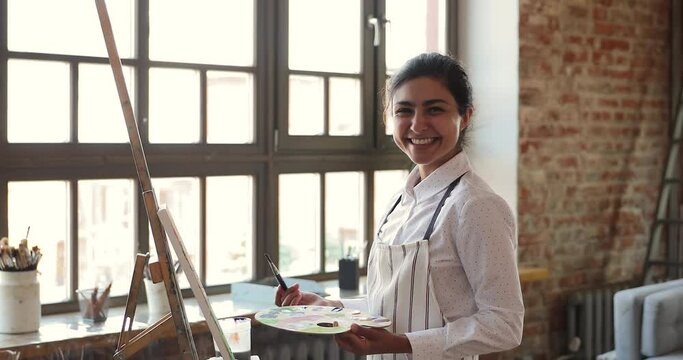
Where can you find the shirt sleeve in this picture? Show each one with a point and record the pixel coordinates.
(485, 242)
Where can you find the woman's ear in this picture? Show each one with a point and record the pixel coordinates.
(466, 118)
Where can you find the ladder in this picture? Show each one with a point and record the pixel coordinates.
(664, 263)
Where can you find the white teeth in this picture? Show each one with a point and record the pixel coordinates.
(422, 141)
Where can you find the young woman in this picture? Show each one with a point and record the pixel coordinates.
(443, 264)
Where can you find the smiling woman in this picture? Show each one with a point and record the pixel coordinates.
(442, 267)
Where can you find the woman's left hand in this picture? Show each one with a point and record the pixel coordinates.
(364, 341)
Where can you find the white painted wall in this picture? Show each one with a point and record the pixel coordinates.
(488, 46)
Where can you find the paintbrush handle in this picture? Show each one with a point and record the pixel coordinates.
(99, 304)
(281, 282)
(276, 272)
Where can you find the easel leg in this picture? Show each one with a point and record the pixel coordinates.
(132, 300)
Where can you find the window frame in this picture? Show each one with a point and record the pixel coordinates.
(294, 143)
(272, 153)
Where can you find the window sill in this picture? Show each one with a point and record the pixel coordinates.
(68, 331)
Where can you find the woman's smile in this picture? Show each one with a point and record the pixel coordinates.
(422, 141)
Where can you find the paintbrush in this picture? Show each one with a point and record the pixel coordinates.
(6, 258)
(98, 305)
(23, 255)
(18, 259)
(95, 304)
(276, 272)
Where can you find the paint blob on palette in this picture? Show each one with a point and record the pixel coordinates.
(318, 319)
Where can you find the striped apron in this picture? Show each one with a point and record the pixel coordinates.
(400, 286)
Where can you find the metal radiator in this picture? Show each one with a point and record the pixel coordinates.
(272, 344)
(590, 321)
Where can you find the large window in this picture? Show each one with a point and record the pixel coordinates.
(261, 122)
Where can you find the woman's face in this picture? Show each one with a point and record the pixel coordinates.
(426, 123)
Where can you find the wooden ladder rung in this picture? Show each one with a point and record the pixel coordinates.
(665, 263)
(669, 222)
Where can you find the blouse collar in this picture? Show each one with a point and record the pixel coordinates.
(438, 180)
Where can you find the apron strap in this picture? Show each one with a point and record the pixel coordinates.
(430, 229)
(386, 218)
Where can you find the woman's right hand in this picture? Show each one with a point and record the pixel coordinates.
(294, 296)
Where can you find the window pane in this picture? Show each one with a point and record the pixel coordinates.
(345, 111)
(100, 118)
(173, 106)
(230, 107)
(306, 105)
(325, 35)
(229, 229)
(35, 26)
(414, 27)
(202, 31)
(344, 217)
(106, 234)
(299, 224)
(37, 98)
(387, 185)
(181, 197)
(49, 222)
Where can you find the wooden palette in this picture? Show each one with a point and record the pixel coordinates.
(318, 319)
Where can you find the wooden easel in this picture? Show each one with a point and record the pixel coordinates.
(161, 271)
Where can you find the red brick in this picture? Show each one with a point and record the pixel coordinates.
(577, 11)
(593, 135)
(608, 102)
(569, 98)
(533, 329)
(643, 18)
(530, 96)
(528, 145)
(599, 13)
(620, 74)
(612, 29)
(631, 103)
(620, 15)
(614, 44)
(574, 40)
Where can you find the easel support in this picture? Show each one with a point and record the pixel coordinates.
(175, 299)
(131, 303)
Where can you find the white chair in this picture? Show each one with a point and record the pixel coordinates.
(648, 322)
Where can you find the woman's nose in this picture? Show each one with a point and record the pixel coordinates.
(419, 122)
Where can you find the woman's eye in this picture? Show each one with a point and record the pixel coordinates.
(402, 111)
(435, 110)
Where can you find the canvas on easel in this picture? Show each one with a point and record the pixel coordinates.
(196, 286)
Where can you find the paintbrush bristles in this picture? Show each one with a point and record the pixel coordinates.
(18, 259)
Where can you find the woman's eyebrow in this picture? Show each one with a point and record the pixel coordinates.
(424, 103)
(405, 103)
(433, 102)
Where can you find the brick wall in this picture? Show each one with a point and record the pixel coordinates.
(593, 130)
